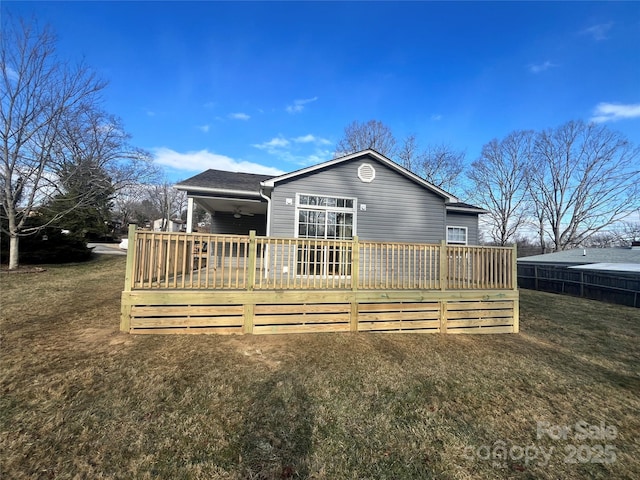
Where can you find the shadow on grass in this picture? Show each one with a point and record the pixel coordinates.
(275, 440)
(579, 366)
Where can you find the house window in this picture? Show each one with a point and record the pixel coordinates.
(326, 218)
(457, 235)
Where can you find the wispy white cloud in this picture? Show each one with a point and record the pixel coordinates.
(12, 75)
(314, 158)
(541, 67)
(318, 155)
(204, 128)
(239, 116)
(298, 105)
(311, 139)
(203, 159)
(611, 112)
(598, 32)
(302, 150)
(273, 144)
(436, 117)
(277, 144)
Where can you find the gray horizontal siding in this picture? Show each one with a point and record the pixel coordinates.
(397, 208)
(226, 223)
(469, 220)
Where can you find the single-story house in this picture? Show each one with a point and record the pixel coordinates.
(364, 194)
(357, 243)
(164, 225)
(610, 259)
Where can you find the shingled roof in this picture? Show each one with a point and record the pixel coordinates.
(464, 207)
(223, 180)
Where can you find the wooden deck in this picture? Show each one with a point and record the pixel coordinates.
(225, 284)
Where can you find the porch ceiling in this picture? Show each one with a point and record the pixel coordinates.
(232, 205)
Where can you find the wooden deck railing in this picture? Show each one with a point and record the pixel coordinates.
(239, 262)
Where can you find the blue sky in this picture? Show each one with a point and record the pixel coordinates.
(268, 87)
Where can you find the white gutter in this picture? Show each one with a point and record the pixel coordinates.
(266, 252)
(188, 188)
(268, 199)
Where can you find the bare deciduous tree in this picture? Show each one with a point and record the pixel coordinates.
(499, 179)
(146, 203)
(361, 136)
(169, 202)
(409, 155)
(127, 205)
(52, 126)
(441, 165)
(585, 179)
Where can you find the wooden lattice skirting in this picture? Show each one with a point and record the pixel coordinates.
(292, 311)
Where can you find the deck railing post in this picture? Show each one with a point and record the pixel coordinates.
(355, 279)
(131, 253)
(248, 308)
(251, 280)
(125, 305)
(514, 267)
(444, 265)
(355, 263)
(516, 301)
(443, 316)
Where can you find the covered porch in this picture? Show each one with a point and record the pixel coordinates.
(234, 200)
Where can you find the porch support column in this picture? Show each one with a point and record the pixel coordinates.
(190, 215)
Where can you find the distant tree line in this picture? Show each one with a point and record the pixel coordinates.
(573, 185)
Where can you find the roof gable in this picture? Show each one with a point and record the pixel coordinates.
(271, 182)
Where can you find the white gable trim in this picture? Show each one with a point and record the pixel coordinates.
(372, 153)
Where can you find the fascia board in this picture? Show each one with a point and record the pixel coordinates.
(191, 188)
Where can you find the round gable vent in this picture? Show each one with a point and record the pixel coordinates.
(366, 172)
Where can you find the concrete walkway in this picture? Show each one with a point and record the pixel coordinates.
(106, 248)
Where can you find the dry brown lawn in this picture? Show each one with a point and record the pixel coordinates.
(81, 400)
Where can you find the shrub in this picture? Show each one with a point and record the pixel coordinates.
(49, 245)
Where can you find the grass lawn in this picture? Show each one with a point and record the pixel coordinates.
(79, 399)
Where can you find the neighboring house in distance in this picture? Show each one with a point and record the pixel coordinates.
(169, 225)
(608, 274)
(619, 259)
(363, 194)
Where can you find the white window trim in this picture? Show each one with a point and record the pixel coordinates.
(353, 210)
(455, 242)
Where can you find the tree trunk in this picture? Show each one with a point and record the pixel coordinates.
(543, 249)
(13, 252)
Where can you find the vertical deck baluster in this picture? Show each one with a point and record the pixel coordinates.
(166, 246)
(291, 253)
(152, 258)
